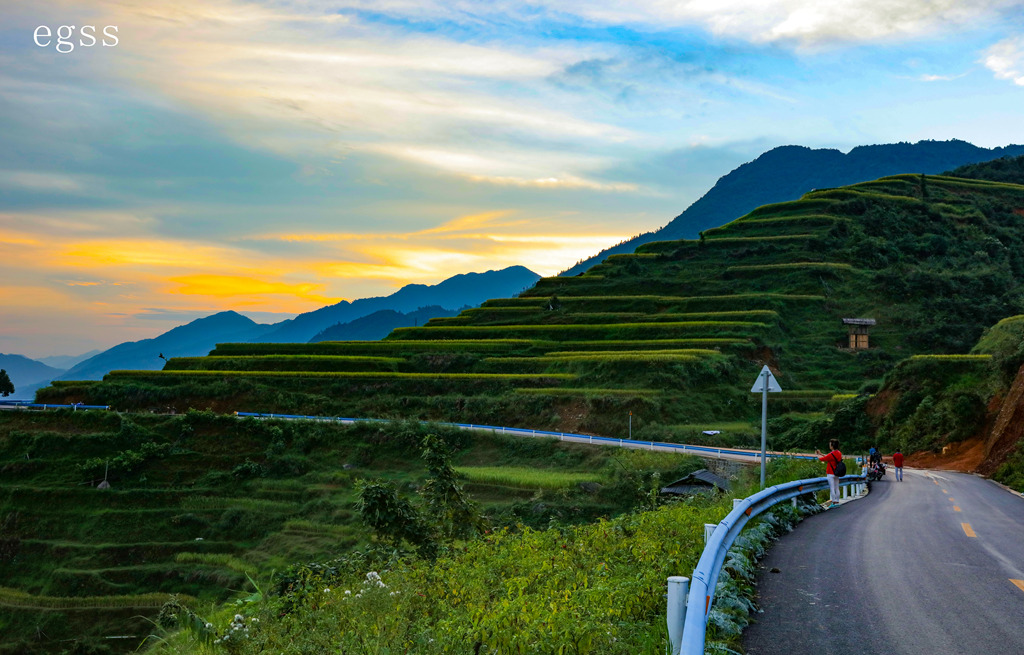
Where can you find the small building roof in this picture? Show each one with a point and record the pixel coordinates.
(858, 321)
(702, 481)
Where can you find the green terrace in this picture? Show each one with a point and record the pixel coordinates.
(226, 500)
(757, 290)
(547, 317)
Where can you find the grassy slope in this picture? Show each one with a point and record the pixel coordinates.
(223, 498)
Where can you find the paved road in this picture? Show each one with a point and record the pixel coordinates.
(926, 566)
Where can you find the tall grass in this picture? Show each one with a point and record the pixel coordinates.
(15, 598)
(593, 392)
(525, 478)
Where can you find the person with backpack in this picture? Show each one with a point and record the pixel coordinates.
(897, 463)
(834, 469)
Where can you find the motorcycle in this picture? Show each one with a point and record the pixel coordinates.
(876, 471)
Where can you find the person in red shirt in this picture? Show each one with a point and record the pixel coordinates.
(831, 459)
(897, 462)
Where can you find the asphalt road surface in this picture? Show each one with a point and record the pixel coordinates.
(933, 565)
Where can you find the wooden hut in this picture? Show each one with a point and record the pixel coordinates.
(858, 329)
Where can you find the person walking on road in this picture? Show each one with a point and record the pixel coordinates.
(831, 460)
(897, 463)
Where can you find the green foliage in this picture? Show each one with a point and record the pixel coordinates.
(848, 422)
(393, 518)
(126, 461)
(454, 515)
(6, 386)
(1005, 169)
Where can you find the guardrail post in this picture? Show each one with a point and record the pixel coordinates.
(678, 588)
(794, 501)
(709, 528)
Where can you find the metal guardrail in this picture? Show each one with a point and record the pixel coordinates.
(688, 609)
(25, 404)
(730, 453)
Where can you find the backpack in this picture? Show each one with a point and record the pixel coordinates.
(840, 468)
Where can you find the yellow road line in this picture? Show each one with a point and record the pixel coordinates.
(951, 499)
(1019, 583)
(968, 530)
(935, 481)
(955, 508)
(944, 491)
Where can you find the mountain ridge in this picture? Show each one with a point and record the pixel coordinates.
(787, 172)
(200, 336)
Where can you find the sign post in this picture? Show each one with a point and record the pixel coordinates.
(765, 382)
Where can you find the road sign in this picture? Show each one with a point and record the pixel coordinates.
(765, 383)
(773, 384)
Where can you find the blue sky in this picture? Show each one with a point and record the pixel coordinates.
(272, 157)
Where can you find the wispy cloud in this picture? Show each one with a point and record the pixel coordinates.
(1006, 60)
(801, 22)
(941, 78)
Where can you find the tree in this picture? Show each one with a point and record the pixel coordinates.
(393, 518)
(6, 386)
(455, 515)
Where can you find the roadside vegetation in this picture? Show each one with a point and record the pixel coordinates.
(201, 505)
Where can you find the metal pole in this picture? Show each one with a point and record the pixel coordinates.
(678, 588)
(764, 421)
(631, 425)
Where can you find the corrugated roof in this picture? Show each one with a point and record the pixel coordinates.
(697, 481)
(858, 321)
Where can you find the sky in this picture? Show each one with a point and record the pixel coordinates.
(273, 157)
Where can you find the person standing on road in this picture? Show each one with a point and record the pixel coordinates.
(897, 463)
(831, 460)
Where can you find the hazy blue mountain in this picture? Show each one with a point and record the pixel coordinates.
(788, 172)
(191, 340)
(200, 336)
(468, 289)
(26, 374)
(67, 361)
(378, 325)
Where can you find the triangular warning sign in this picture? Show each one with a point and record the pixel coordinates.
(773, 384)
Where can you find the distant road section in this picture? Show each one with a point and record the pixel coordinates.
(735, 454)
(933, 565)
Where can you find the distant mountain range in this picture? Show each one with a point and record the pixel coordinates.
(25, 374)
(191, 340)
(200, 336)
(788, 172)
(469, 289)
(378, 325)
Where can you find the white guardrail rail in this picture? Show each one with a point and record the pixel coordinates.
(26, 404)
(689, 601)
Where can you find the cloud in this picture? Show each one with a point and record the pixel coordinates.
(41, 181)
(1006, 60)
(800, 22)
(941, 78)
(247, 290)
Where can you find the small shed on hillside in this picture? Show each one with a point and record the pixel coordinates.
(698, 482)
(858, 328)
